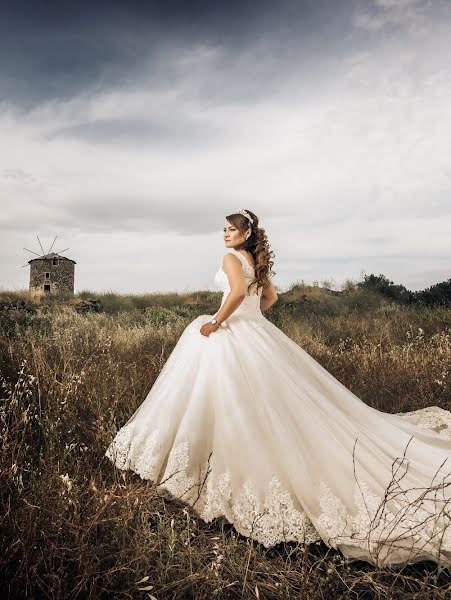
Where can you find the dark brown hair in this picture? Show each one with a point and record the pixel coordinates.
(257, 244)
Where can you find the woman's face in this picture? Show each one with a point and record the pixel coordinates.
(232, 235)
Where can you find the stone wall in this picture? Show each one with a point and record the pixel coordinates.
(61, 276)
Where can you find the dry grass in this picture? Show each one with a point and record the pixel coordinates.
(75, 527)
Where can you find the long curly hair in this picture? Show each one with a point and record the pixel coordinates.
(257, 244)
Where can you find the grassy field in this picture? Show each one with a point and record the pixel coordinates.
(73, 526)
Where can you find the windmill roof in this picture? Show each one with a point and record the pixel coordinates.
(50, 256)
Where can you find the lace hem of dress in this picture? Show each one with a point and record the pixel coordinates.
(413, 531)
(432, 418)
(417, 526)
(270, 520)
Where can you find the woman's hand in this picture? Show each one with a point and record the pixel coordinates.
(208, 328)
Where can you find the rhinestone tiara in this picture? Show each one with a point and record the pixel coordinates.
(243, 212)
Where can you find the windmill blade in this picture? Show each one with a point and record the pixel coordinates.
(61, 250)
(43, 253)
(33, 252)
(52, 245)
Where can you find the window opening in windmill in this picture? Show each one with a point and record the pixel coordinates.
(55, 262)
(46, 287)
(47, 275)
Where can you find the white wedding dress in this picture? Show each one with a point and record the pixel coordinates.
(247, 425)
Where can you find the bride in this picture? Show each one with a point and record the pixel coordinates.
(243, 423)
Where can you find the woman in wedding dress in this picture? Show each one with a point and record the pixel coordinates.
(241, 422)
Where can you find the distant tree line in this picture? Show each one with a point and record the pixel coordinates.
(437, 294)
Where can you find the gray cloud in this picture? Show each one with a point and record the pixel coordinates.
(125, 131)
(18, 175)
(51, 51)
(150, 215)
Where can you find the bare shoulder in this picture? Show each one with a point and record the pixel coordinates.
(230, 259)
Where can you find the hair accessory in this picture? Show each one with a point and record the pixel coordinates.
(243, 212)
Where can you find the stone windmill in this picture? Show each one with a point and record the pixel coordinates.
(51, 272)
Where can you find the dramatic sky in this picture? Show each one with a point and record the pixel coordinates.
(130, 129)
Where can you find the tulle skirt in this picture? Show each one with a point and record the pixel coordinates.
(246, 425)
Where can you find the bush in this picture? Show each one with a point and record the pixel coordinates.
(388, 289)
(438, 294)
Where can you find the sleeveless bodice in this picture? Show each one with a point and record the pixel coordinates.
(250, 306)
